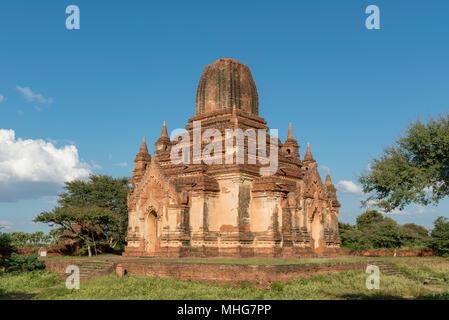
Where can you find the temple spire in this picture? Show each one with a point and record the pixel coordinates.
(328, 179)
(164, 131)
(143, 148)
(142, 160)
(290, 132)
(308, 156)
(367, 210)
(163, 143)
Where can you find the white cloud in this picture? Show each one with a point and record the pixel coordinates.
(5, 224)
(122, 164)
(421, 209)
(346, 186)
(95, 166)
(31, 96)
(2, 98)
(397, 211)
(34, 168)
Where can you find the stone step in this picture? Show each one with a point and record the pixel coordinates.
(388, 269)
(94, 267)
(90, 269)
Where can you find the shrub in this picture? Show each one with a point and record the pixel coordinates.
(350, 236)
(19, 263)
(277, 286)
(5, 241)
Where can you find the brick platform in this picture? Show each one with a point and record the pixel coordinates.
(230, 274)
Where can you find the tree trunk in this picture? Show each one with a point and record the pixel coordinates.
(95, 244)
(89, 251)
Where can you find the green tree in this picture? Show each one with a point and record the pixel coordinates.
(92, 225)
(101, 191)
(368, 218)
(349, 235)
(19, 239)
(374, 231)
(384, 234)
(440, 236)
(54, 235)
(414, 235)
(414, 170)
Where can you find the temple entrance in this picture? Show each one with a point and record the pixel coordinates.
(316, 229)
(151, 244)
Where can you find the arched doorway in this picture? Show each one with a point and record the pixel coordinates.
(317, 228)
(152, 237)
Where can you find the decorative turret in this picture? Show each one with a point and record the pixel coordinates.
(142, 160)
(162, 144)
(291, 147)
(328, 179)
(143, 148)
(331, 190)
(308, 156)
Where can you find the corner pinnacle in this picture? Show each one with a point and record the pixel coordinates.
(164, 131)
(143, 148)
(308, 156)
(328, 178)
(290, 132)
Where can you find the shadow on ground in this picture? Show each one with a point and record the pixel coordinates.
(16, 295)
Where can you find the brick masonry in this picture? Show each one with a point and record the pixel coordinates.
(234, 274)
(393, 253)
(230, 274)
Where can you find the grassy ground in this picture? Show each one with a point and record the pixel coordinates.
(344, 285)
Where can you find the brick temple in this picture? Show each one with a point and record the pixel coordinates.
(198, 209)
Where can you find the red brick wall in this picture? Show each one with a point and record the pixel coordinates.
(59, 266)
(233, 274)
(392, 253)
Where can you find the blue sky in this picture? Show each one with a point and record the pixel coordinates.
(80, 101)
